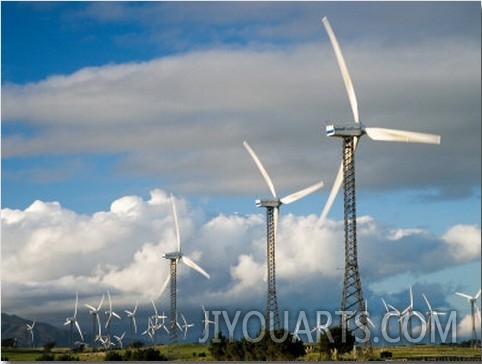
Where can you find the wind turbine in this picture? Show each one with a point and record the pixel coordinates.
(72, 321)
(185, 326)
(389, 313)
(206, 321)
(110, 313)
(408, 313)
(272, 212)
(472, 300)
(352, 297)
(131, 315)
(430, 314)
(30, 328)
(155, 321)
(119, 339)
(94, 311)
(175, 258)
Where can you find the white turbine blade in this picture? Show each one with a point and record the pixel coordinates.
(194, 266)
(385, 304)
(464, 295)
(334, 191)
(419, 315)
(261, 168)
(411, 298)
(101, 302)
(394, 309)
(90, 307)
(135, 324)
(300, 194)
(176, 223)
(478, 294)
(110, 301)
(344, 70)
(135, 308)
(79, 330)
(116, 315)
(369, 320)
(76, 303)
(155, 309)
(428, 304)
(164, 285)
(393, 135)
(478, 312)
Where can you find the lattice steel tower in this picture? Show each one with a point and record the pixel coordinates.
(352, 297)
(272, 312)
(174, 259)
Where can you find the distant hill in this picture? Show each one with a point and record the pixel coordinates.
(14, 327)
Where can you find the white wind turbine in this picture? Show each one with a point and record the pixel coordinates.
(185, 326)
(430, 314)
(408, 313)
(110, 313)
(72, 321)
(206, 321)
(351, 132)
(390, 313)
(131, 315)
(94, 311)
(473, 307)
(119, 339)
(155, 322)
(175, 258)
(272, 213)
(30, 329)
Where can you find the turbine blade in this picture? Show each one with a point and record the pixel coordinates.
(135, 324)
(428, 304)
(155, 309)
(411, 298)
(176, 223)
(76, 303)
(336, 185)
(344, 70)
(90, 307)
(394, 135)
(385, 304)
(79, 330)
(478, 294)
(135, 308)
(261, 168)
(194, 266)
(478, 312)
(101, 302)
(463, 295)
(164, 285)
(334, 191)
(300, 194)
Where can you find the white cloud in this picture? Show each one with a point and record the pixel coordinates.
(49, 251)
(464, 241)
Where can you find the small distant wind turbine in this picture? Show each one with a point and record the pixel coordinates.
(272, 212)
(430, 314)
(150, 330)
(185, 326)
(390, 313)
(408, 313)
(206, 321)
(155, 322)
(72, 321)
(30, 328)
(110, 313)
(96, 326)
(472, 300)
(175, 258)
(352, 297)
(131, 315)
(119, 339)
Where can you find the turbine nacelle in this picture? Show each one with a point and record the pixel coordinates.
(268, 202)
(173, 255)
(344, 130)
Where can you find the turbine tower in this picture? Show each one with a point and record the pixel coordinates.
(352, 298)
(73, 321)
(473, 307)
(272, 212)
(175, 257)
(96, 327)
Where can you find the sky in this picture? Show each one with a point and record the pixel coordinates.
(109, 107)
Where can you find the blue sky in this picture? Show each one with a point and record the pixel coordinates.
(114, 103)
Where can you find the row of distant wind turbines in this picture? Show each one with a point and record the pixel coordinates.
(350, 133)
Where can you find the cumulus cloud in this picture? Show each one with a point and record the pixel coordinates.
(49, 251)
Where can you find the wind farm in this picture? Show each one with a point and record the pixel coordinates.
(119, 168)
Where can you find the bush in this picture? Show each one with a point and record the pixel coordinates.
(112, 356)
(45, 357)
(67, 357)
(336, 339)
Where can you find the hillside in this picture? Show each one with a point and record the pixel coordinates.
(14, 327)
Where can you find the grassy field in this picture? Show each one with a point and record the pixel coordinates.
(197, 352)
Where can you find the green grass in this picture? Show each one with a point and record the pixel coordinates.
(198, 352)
